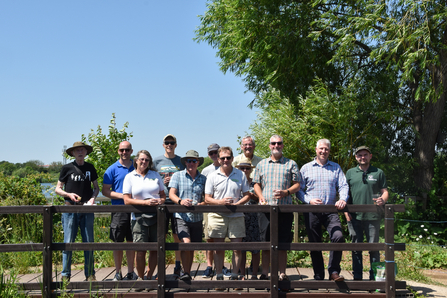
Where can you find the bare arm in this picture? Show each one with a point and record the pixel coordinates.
(258, 192)
(108, 192)
(59, 190)
(244, 199)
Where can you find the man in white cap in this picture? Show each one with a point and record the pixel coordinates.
(75, 185)
(187, 188)
(166, 165)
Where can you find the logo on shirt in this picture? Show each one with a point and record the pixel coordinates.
(86, 177)
(371, 178)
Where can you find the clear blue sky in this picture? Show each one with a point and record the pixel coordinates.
(66, 66)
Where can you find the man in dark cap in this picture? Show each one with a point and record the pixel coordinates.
(367, 185)
(75, 185)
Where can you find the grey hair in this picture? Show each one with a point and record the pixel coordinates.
(324, 141)
(276, 137)
(249, 137)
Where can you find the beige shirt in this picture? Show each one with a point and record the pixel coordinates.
(254, 162)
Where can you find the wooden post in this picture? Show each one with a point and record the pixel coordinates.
(296, 232)
(390, 284)
(47, 251)
(274, 257)
(161, 251)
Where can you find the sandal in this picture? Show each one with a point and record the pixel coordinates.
(284, 277)
(235, 276)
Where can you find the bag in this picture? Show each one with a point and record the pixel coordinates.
(379, 271)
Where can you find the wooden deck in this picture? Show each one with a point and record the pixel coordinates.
(107, 274)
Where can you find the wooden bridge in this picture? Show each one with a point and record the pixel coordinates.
(301, 282)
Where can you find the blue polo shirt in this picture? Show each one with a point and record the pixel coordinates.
(114, 176)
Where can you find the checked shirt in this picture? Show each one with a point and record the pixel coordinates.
(187, 188)
(323, 182)
(276, 175)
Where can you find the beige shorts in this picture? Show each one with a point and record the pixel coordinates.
(222, 226)
(205, 225)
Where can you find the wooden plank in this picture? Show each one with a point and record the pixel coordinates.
(106, 274)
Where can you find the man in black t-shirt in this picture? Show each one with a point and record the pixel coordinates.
(75, 185)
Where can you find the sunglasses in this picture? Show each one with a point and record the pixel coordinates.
(212, 153)
(244, 168)
(170, 143)
(124, 150)
(364, 178)
(191, 160)
(144, 159)
(225, 158)
(276, 143)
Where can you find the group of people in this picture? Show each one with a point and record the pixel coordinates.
(229, 180)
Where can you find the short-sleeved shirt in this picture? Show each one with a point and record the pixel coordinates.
(362, 190)
(273, 175)
(219, 186)
(141, 188)
(167, 167)
(78, 179)
(114, 176)
(188, 188)
(323, 182)
(209, 169)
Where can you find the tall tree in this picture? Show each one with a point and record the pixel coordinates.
(394, 51)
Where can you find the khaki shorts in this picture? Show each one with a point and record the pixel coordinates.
(143, 232)
(205, 225)
(222, 226)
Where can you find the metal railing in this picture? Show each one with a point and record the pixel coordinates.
(162, 284)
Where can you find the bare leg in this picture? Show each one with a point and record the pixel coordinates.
(237, 256)
(130, 255)
(177, 252)
(265, 262)
(152, 263)
(243, 262)
(219, 256)
(118, 258)
(209, 255)
(141, 263)
(282, 261)
(187, 257)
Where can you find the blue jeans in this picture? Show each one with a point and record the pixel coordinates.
(358, 229)
(70, 224)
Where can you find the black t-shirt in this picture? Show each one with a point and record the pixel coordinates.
(79, 181)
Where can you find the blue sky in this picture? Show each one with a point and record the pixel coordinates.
(66, 66)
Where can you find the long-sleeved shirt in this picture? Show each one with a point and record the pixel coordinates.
(323, 182)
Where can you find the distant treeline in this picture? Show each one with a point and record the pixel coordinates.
(30, 167)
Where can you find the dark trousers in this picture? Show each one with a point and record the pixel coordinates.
(331, 222)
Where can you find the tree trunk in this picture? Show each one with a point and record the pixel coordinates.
(427, 117)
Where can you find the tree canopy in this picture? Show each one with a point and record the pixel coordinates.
(357, 72)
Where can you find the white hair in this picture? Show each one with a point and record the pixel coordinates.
(276, 137)
(324, 141)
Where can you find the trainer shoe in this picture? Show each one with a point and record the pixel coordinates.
(226, 272)
(220, 277)
(178, 271)
(208, 272)
(118, 276)
(131, 276)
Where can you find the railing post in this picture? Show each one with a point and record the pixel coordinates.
(390, 283)
(47, 251)
(274, 252)
(161, 251)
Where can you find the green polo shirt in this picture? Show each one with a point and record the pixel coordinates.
(361, 190)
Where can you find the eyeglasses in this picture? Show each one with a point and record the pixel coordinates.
(276, 143)
(191, 160)
(144, 159)
(244, 168)
(124, 150)
(169, 143)
(364, 178)
(225, 158)
(247, 145)
(212, 153)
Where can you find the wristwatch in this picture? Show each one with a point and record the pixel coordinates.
(288, 192)
(179, 202)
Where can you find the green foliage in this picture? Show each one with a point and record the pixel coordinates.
(206, 162)
(8, 288)
(105, 147)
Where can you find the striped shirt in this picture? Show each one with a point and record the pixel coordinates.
(323, 182)
(273, 175)
(188, 188)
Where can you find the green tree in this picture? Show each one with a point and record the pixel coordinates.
(105, 147)
(389, 55)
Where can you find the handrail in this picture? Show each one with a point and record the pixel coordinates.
(390, 285)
